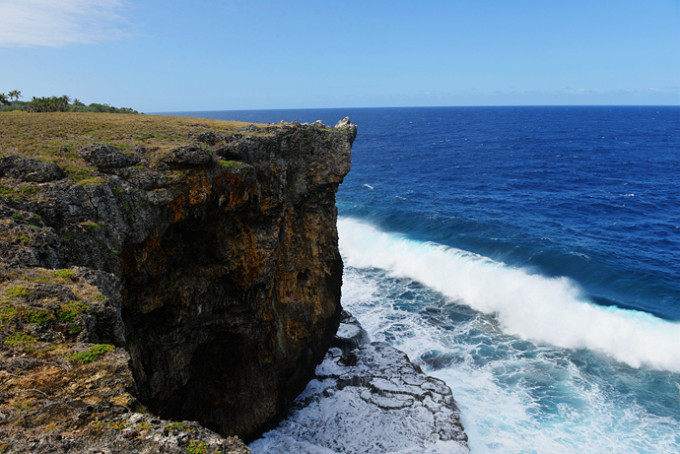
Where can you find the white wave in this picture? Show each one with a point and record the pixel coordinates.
(367, 186)
(550, 310)
(515, 397)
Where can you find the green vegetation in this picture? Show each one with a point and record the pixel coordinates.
(117, 425)
(8, 314)
(19, 338)
(16, 291)
(228, 164)
(196, 447)
(91, 354)
(24, 406)
(68, 312)
(176, 426)
(97, 426)
(65, 273)
(10, 102)
(91, 226)
(37, 316)
(8, 193)
(58, 137)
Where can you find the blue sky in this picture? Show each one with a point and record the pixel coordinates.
(243, 54)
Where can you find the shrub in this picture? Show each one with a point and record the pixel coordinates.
(17, 290)
(16, 339)
(197, 447)
(68, 312)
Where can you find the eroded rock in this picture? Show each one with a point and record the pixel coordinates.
(368, 397)
(105, 157)
(188, 156)
(29, 169)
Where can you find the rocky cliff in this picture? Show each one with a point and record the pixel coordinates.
(142, 284)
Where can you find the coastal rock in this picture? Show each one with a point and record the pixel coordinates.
(144, 179)
(105, 157)
(249, 128)
(207, 137)
(191, 288)
(368, 397)
(189, 156)
(29, 169)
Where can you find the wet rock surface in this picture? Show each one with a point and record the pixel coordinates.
(368, 397)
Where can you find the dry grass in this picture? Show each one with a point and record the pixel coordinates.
(57, 136)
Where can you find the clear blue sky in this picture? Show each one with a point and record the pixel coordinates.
(243, 54)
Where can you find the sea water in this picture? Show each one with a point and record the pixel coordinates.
(529, 257)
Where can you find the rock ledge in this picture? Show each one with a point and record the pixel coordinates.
(368, 397)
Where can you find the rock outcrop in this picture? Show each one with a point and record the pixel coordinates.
(200, 283)
(368, 397)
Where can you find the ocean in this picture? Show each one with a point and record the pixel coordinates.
(527, 256)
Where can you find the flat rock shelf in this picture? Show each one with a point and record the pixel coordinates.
(368, 397)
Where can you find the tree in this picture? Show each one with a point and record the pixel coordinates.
(51, 104)
(14, 94)
(3, 100)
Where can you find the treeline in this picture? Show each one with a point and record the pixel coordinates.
(10, 101)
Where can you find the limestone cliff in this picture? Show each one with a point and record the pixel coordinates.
(199, 282)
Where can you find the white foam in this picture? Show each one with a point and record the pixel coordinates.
(527, 305)
(526, 398)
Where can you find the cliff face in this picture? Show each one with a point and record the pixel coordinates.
(207, 276)
(231, 300)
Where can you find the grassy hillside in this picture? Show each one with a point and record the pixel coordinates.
(57, 136)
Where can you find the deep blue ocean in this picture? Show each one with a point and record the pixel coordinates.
(529, 257)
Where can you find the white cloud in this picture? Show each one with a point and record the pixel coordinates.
(57, 23)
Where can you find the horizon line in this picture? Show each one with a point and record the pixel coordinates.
(414, 107)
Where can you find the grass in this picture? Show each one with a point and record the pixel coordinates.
(91, 226)
(228, 164)
(64, 273)
(91, 354)
(8, 193)
(57, 136)
(16, 291)
(19, 307)
(176, 426)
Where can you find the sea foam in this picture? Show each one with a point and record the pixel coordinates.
(526, 304)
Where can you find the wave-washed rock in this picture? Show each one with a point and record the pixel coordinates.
(368, 398)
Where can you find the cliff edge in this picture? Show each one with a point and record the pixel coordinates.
(171, 270)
